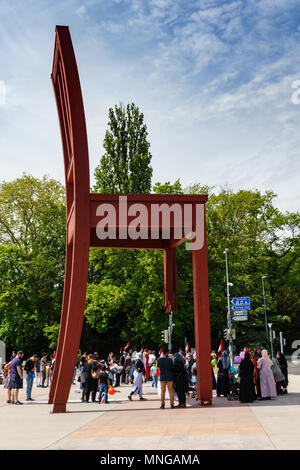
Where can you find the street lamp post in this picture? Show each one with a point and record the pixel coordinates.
(265, 310)
(228, 312)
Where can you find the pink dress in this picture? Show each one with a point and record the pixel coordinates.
(266, 379)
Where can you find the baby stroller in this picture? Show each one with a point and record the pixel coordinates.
(234, 386)
(192, 390)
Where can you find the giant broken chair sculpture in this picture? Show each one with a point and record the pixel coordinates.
(82, 219)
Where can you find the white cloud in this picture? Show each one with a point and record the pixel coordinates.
(81, 11)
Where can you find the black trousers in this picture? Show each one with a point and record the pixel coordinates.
(179, 388)
(91, 387)
(118, 376)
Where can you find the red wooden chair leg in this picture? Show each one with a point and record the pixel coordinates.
(63, 321)
(202, 326)
(73, 326)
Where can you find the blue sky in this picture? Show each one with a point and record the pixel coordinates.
(213, 79)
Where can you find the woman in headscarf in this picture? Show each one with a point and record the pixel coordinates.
(284, 369)
(246, 374)
(257, 356)
(278, 376)
(266, 377)
(180, 380)
(139, 369)
(223, 375)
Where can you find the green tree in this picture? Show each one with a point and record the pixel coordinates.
(125, 166)
(32, 247)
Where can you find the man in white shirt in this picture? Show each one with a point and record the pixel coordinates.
(152, 359)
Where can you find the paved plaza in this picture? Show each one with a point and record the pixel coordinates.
(125, 425)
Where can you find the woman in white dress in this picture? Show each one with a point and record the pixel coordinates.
(138, 377)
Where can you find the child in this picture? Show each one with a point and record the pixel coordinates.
(154, 374)
(104, 383)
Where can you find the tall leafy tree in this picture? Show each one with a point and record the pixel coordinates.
(32, 247)
(125, 166)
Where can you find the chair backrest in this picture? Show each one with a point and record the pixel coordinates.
(67, 90)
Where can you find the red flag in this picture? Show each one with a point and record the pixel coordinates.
(53, 357)
(187, 347)
(221, 347)
(127, 345)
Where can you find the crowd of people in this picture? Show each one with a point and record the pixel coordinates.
(251, 377)
(36, 370)
(134, 368)
(256, 376)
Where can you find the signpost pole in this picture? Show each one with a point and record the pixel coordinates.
(281, 341)
(265, 310)
(229, 313)
(271, 338)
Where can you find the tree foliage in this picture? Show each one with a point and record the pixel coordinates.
(32, 234)
(125, 166)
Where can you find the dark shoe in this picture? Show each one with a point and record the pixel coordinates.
(8, 401)
(172, 406)
(130, 397)
(18, 403)
(162, 407)
(142, 398)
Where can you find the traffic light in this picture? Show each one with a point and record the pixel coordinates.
(226, 334)
(165, 336)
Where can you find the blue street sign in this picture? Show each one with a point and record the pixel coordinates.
(240, 307)
(241, 303)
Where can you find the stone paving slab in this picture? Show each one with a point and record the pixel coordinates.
(126, 425)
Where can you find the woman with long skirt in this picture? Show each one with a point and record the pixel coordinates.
(223, 375)
(266, 377)
(246, 374)
(139, 368)
(181, 383)
(284, 369)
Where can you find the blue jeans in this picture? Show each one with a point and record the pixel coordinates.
(103, 389)
(154, 380)
(29, 383)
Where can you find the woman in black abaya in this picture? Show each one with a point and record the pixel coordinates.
(181, 383)
(246, 374)
(284, 369)
(223, 375)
